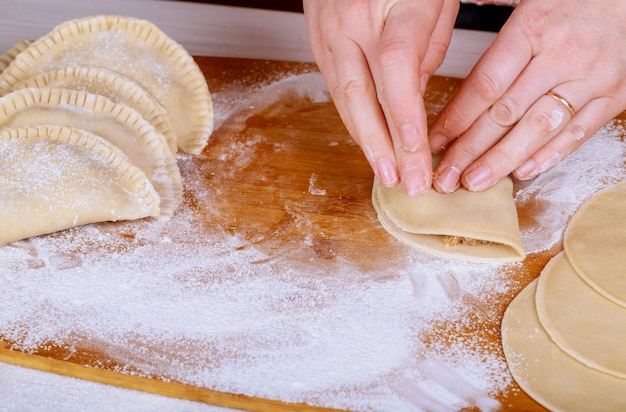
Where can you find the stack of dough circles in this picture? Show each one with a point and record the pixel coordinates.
(563, 336)
(118, 81)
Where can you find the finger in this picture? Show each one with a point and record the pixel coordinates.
(357, 100)
(542, 122)
(491, 77)
(439, 42)
(500, 119)
(587, 121)
(395, 66)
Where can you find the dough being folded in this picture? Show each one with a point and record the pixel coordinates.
(55, 177)
(472, 226)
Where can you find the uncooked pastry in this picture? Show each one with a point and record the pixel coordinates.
(582, 322)
(545, 372)
(114, 86)
(54, 178)
(136, 49)
(488, 219)
(119, 124)
(595, 242)
(7, 57)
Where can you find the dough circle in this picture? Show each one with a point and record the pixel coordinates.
(545, 372)
(595, 242)
(582, 322)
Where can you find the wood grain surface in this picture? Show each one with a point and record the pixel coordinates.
(254, 208)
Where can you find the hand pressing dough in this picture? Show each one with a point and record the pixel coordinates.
(54, 178)
(138, 50)
(8, 56)
(144, 146)
(595, 242)
(545, 372)
(473, 226)
(582, 322)
(110, 84)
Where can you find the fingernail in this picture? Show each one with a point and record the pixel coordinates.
(415, 181)
(410, 137)
(386, 172)
(438, 142)
(448, 179)
(526, 170)
(478, 178)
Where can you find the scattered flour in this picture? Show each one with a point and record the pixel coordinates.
(558, 192)
(165, 299)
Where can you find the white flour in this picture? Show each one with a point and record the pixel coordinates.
(168, 300)
(559, 192)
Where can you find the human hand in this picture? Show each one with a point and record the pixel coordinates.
(376, 57)
(501, 120)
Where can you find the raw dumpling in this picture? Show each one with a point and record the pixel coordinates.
(53, 178)
(138, 50)
(8, 56)
(110, 84)
(144, 146)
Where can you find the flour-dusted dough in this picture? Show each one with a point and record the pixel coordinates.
(136, 49)
(54, 177)
(545, 372)
(8, 56)
(119, 124)
(582, 322)
(595, 242)
(488, 217)
(114, 86)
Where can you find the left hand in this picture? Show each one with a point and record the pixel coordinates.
(501, 120)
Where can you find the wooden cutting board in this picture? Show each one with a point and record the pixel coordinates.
(257, 210)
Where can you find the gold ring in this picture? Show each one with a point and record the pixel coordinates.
(563, 101)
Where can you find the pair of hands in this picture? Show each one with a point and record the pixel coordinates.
(378, 55)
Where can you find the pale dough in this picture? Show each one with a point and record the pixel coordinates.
(54, 178)
(581, 321)
(489, 217)
(595, 242)
(545, 372)
(119, 124)
(136, 49)
(8, 56)
(110, 84)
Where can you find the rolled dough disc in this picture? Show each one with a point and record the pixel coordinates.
(595, 242)
(545, 372)
(582, 322)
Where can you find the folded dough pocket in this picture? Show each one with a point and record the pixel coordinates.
(472, 226)
(56, 177)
